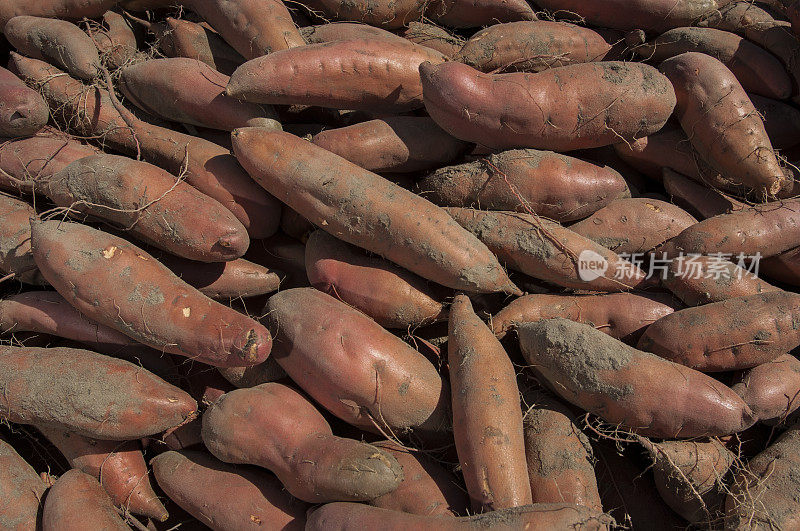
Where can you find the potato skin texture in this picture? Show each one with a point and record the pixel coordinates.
(341, 31)
(22, 491)
(77, 501)
(574, 107)
(476, 13)
(390, 14)
(119, 285)
(771, 389)
(23, 111)
(626, 386)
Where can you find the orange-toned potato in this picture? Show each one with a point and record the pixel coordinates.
(24, 111)
(477, 13)
(21, 489)
(627, 386)
(76, 501)
(772, 389)
(434, 37)
(15, 241)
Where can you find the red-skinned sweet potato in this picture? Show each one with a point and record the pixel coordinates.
(23, 111)
(130, 291)
(573, 107)
(361, 74)
(478, 13)
(235, 279)
(485, 401)
(554, 186)
(274, 427)
(340, 357)
(343, 31)
(392, 296)
(383, 13)
(434, 37)
(71, 9)
(627, 386)
(90, 394)
(77, 501)
(772, 389)
(699, 200)
(356, 206)
(114, 39)
(239, 494)
(15, 242)
(21, 489)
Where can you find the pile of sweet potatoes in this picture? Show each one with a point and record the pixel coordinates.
(399, 264)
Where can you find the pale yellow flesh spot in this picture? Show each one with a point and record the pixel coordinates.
(187, 312)
(110, 252)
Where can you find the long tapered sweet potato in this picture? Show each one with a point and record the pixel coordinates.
(356, 206)
(389, 14)
(339, 356)
(485, 401)
(397, 144)
(627, 386)
(119, 466)
(198, 99)
(15, 241)
(699, 200)
(119, 285)
(23, 111)
(392, 296)
(623, 316)
(434, 37)
(77, 501)
(56, 41)
(361, 74)
(252, 28)
(573, 107)
(635, 225)
(554, 186)
(478, 13)
(21, 490)
(772, 389)
(531, 46)
(545, 250)
(90, 394)
(206, 166)
(729, 335)
(274, 427)
(240, 495)
(224, 280)
(342, 31)
(558, 453)
(669, 147)
(722, 122)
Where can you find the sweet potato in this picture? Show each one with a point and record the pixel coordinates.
(339, 356)
(427, 489)
(399, 144)
(15, 242)
(634, 226)
(77, 501)
(114, 39)
(206, 166)
(478, 13)
(224, 496)
(343, 31)
(784, 267)
(756, 69)
(573, 107)
(771, 389)
(119, 466)
(531, 46)
(72, 9)
(90, 394)
(554, 186)
(56, 41)
(354, 516)
(558, 453)
(148, 202)
(623, 316)
(697, 279)
(764, 494)
(361, 74)
(627, 386)
(21, 490)
(689, 476)
(547, 251)
(23, 111)
(252, 28)
(433, 37)
(733, 334)
(356, 206)
(234, 279)
(198, 99)
(130, 291)
(389, 294)
(485, 401)
(699, 200)
(722, 122)
(389, 14)
(274, 427)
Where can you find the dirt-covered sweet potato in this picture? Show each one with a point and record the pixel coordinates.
(361, 74)
(531, 46)
(626, 386)
(485, 401)
(21, 489)
(478, 13)
(23, 111)
(772, 389)
(389, 14)
(340, 357)
(545, 250)
(275, 427)
(77, 501)
(396, 144)
(392, 296)
(71, 9)
(573, 107)
(366, 210)
(434, 37)
(342, 31)
(91, 394)
(623, 316)
(114, 39)
(553, 185)
(119, 285)
(224, 496)
(15, 241)
(722, 123)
